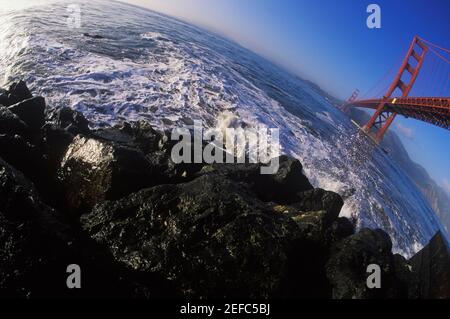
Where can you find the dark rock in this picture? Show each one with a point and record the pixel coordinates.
(70, 120)
(11, 123)
(33, 242)
(317, 200)
(147, 139)
(119, 134)
(31, 111)
(18, 92)
(173, 172)
(431, 266)
(407, 281)
(4, 101)
(312, 224)
(93, 36)
(281, 187)
(209, 236)
(53, 146)
(340, 229)
(286, 182)
(315, 226)
(23, 156)
(170, 172)
(137, 135)
(318, 230)
(306, 268)
(347, 267)
(55, 142)
(38, 162)
(93, 171)
(157, 148)
(316, 235)
(37, 245)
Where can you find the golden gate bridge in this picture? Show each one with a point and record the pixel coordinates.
(426, 68)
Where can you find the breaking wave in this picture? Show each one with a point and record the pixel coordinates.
(146, 66)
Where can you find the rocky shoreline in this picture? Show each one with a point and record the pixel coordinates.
(140, 226)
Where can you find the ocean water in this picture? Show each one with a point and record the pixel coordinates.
(152, 67)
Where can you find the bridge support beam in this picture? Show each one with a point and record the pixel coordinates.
(433, 110)
(352, 98)
(383, 118)
(384, 128)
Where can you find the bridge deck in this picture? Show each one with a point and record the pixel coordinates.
(434, 110)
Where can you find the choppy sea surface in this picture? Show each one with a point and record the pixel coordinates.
(152, 67)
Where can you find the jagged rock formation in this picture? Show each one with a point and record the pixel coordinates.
(431, 266)
(139, 225)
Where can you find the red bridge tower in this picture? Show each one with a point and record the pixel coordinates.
(383, 117)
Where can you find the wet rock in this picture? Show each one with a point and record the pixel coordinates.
(70, 120)
(320, 200)
(245, 173)
(209, 236)
(286, 182)
(93, 36)
(281, 187)
(174, 172)
(38, 155)
(407, 281)
(431, 266)
(157, 148)
(347, 267)
(4, 101)
(340, 229)
(31, 111)
(37, 244)
(318, 231)
(147, 139)
(311, 224)
(307, 267)
(120, 134)
(18, 92)
(93, 171)
(55, 141)
(52, 146)
(138, 135)
(22, 155)
(33, 241)
(11, 123)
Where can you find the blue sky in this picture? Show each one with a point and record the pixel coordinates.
(328, 42)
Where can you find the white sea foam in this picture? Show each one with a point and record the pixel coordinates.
(172, 80)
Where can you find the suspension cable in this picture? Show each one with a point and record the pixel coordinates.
(440, 56)
(434, 45)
